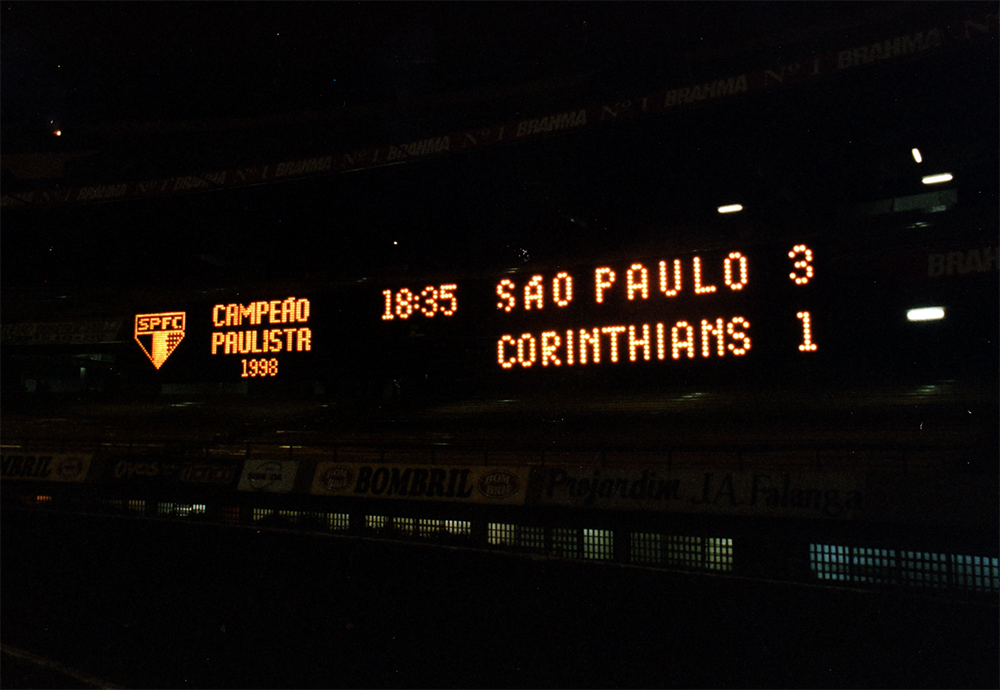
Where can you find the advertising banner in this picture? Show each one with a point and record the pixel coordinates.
(492, 485)
(275, 476)
(44, 467)
(72, 333)
(155, 470)
(761, 493)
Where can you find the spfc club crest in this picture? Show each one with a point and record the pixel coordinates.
(159, 334)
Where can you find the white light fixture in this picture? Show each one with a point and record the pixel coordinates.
(731, 208)
(938, 179)
(916, 155)
(925, 314)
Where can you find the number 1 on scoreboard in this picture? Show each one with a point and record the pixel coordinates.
(807, 344)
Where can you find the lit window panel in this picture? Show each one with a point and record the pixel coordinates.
(598, 544)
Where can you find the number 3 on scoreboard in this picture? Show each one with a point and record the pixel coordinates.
(802, 258)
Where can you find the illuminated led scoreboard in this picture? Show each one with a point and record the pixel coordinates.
(722, 305)
(701, 306)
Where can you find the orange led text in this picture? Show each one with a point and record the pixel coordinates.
(293, 336)
(682, 339)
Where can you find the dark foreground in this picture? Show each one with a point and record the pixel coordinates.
(158, 604)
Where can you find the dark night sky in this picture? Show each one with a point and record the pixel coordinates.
(108, 61)
(92, 64)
